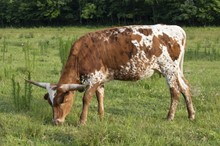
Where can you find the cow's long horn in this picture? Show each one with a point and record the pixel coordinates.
(39, 84)
(70, 87)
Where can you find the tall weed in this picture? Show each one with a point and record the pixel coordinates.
(4, 49)
(43, 47)
(29, 63)
(26, 50)
(22, 101)
(203, 51)
(64, 49)
(203, 44)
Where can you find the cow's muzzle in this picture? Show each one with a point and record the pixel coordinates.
(58, 121)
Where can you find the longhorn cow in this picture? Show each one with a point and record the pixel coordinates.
(121, 53)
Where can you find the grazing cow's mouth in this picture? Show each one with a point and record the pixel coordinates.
(58, 121)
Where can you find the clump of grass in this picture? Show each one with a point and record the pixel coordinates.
(203, 45)
(26, 36)
(64, 48)
(29, 64)
(4, 49)
(10, 59)
(26, 50)
(22, 101)
(7, 71)
(43, 46)
(207, 51)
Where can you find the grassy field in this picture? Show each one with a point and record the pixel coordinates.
(134, 111)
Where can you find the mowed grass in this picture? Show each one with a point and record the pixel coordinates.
(135, 112)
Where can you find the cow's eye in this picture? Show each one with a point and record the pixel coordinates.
(63, 97)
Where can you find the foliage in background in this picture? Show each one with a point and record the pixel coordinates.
(110, 12)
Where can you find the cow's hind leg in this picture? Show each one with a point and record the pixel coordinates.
(86, 101)
(172, 80)
(185, 90)
(178, 84)
(174, 92)
(100, 99)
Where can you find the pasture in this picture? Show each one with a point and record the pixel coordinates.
(135, 112)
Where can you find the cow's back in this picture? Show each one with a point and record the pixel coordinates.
(129, 52)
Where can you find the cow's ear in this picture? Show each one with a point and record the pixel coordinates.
(46, 96)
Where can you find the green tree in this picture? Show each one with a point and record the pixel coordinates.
(208, 11)
(49, 12)
(89, 11)
(50, 9)
(3, 8)
(188, 11)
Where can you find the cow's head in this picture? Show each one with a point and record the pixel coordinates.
(60, 97)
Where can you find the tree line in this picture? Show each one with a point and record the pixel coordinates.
(108, 12)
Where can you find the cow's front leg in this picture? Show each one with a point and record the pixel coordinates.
(86, 101)
(100, 98)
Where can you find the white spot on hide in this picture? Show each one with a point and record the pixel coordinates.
(96, 77)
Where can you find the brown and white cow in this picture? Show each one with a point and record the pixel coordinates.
(121, 53)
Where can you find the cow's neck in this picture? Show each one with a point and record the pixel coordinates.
(69, 74)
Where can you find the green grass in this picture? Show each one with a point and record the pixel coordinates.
(134, 111)
(203, 43)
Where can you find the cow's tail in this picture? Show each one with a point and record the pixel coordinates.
(181, 62)
(183, 48)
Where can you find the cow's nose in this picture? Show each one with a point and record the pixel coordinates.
(58, 121)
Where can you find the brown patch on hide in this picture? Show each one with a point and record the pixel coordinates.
(89, 56)
(146, 32)
(156, 50)
(119, 49)
(173, 47)
(136, 37)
